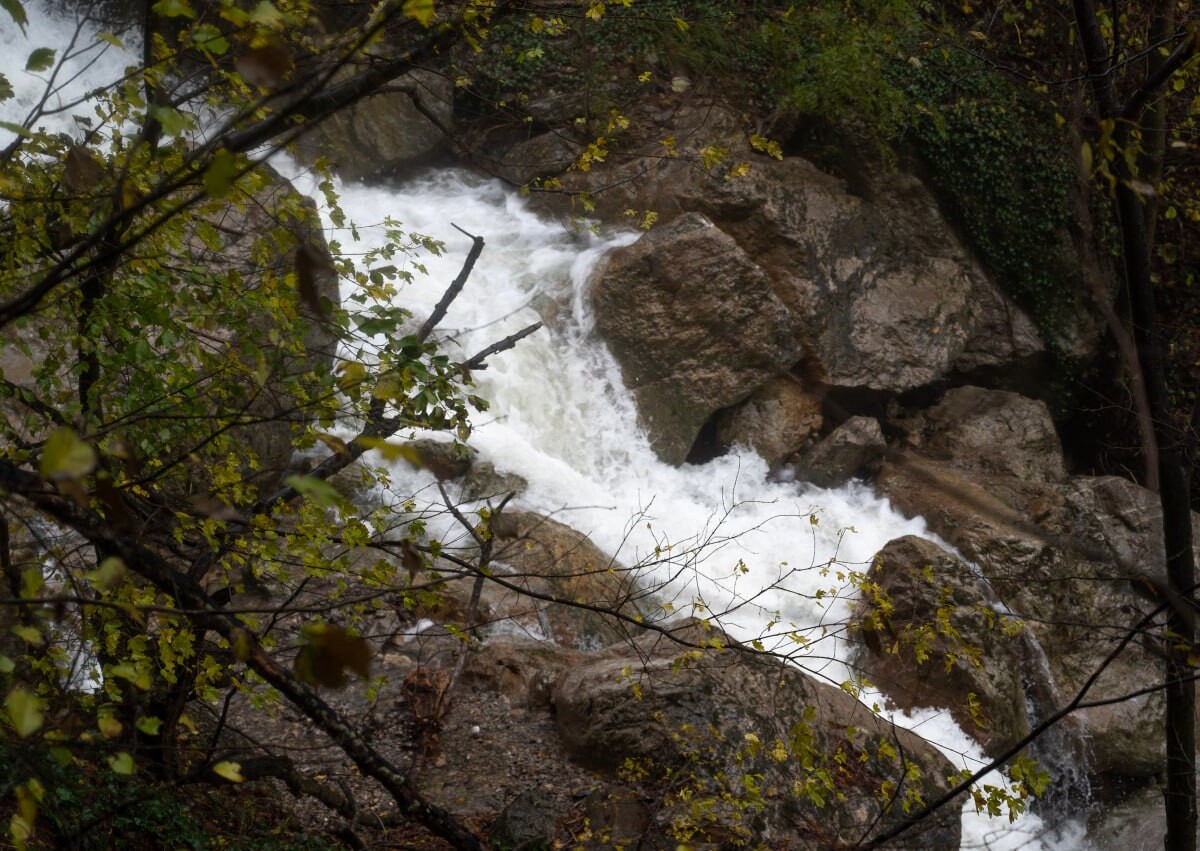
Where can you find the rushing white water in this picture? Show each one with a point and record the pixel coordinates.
(59, 93)
(767, 555)
(562, 419)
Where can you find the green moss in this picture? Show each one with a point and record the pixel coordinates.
(85, 807)
(1000, 164)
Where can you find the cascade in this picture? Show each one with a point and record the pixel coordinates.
(1063, 749)
(562, 419)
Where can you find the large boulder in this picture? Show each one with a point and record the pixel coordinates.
(760, 752)
(1077, 558)
(990, 431)
(883, 293)
(550, 567)
(935, 635)
(845, 452)
(777, 420)
(695, 326)
(399, 128)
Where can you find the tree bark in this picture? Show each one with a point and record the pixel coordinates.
(1173, 470)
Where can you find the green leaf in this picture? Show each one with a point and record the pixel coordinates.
(219, 176)
(24, 711)
(6, 89)
(173, 121)
(421, 10)
(108, 574)
(111, 39)
(66, 456)
(29, 633)
(149, 725)
(121, 763)
(41, 59)
(17, 129)
(210, 39)
(231, 771)
(15, 11)
(6, 665)
(318, 490)
(266, 13)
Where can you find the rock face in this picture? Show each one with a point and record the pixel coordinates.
(842, 454)
(934, 632)
(1064, 553)
(547, 557)
(734, 721)
(695, 326)
(880, 294)
(777, 420)
(885, 295)
(991, 432)
(263, 237)
(386, 133)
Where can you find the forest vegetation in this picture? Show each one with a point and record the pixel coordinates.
(174, 335)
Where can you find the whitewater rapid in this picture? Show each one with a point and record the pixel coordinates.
(720, 535)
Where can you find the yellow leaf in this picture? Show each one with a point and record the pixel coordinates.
(421, 10)
(393, 451)
(109, 726)
(220, 174)
(231, 771)
(20, 829)
(65, 456)
(242, 643)
(352, 375)
(24, 711)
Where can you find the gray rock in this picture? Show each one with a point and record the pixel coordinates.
(1076, 560)
(933, 634)
(990, 431)
(727, 721)
(695, 326)
(553, 560)
(777, 420)
(842, 454)
(386, 133)
(529, 822)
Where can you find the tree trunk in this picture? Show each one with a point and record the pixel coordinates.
(1174, 484)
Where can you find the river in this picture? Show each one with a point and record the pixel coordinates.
(764, 553)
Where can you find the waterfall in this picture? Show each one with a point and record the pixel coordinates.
(1063, 749)
(562, 419)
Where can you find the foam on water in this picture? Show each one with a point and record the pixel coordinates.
(87, 63)
(719, 534)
